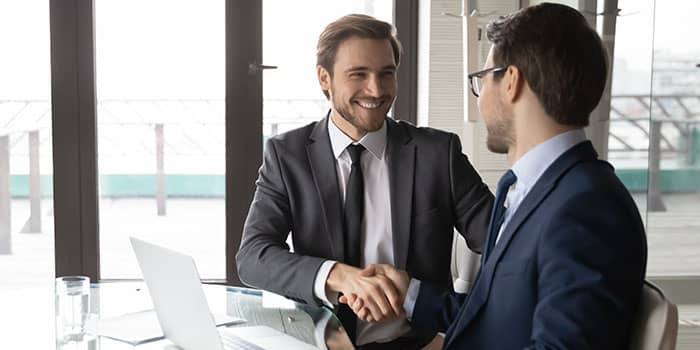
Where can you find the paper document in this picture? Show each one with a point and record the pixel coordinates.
(141, 327)
(276, 301)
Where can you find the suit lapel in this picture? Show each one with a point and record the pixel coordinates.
(322, 163)
(544, 186)
(402, 156)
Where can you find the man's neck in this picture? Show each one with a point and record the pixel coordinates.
(531, 131)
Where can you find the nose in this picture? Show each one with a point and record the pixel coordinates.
(374, 86)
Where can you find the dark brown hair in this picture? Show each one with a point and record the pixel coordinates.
(559, 55)
(355, 25)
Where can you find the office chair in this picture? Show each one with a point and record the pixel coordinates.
(465, 264)
(656, 326)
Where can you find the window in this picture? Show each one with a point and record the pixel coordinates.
(167, 124)
(654, 127)
(26, 200)
(160, 121)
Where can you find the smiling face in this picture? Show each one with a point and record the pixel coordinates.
(362, 86)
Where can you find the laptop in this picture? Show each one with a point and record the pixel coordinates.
(184, 316)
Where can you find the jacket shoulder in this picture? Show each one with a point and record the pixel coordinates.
(294, 138)
(593, 175)
(422, 134)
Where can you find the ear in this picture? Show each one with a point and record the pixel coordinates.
(324, 78)
(513, 83)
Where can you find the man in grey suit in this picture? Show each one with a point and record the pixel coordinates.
(357, 188)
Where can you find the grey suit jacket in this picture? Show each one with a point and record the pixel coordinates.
(434, 189)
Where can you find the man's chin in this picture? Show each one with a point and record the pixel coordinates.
(375, 126)
(496, 146)
(372, 123)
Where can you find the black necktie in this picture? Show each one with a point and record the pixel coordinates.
(354, 207)
(498, 212)
(353, 214)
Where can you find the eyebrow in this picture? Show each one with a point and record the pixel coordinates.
(390, 67)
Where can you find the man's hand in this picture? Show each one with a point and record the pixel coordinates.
(359, 305)
(381, 299)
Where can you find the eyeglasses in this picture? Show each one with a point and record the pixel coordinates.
(475, 78)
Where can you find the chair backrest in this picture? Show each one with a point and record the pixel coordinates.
(465, 264)
(656, 326)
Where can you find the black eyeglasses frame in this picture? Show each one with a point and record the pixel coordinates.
(480, 74)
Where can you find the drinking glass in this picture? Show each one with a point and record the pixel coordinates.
(72, 308)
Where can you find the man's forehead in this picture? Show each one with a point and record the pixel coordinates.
(364, 52)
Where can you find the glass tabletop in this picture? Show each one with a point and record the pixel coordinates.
(316, 326)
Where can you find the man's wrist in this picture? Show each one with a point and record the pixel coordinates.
(404, 287)
(327, 298)
(336, 277)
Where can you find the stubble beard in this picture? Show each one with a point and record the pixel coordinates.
(344, 112)
(499, 135)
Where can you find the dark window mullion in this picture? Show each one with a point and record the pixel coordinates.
(243, 119)
(406, 22)
(74, 138)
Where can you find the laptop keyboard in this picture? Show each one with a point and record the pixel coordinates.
(234, 342)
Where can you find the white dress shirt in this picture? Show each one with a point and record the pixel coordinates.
(377, 244)
(528, 170)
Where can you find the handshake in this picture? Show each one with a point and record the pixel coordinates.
(375, 293)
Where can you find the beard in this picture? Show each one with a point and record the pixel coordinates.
(499, 132)
(364, 125)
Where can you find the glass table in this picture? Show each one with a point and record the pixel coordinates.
(312, 325)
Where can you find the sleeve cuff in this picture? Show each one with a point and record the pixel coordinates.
(329, 299)
(409, 302)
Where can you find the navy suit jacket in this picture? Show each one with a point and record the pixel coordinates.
(567, 272)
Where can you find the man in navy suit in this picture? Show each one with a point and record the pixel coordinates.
(565, 258)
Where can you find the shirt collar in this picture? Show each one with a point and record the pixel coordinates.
(374, 142)
(533, 164)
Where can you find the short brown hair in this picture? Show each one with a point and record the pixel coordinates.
(560, 56)
(355, 25)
